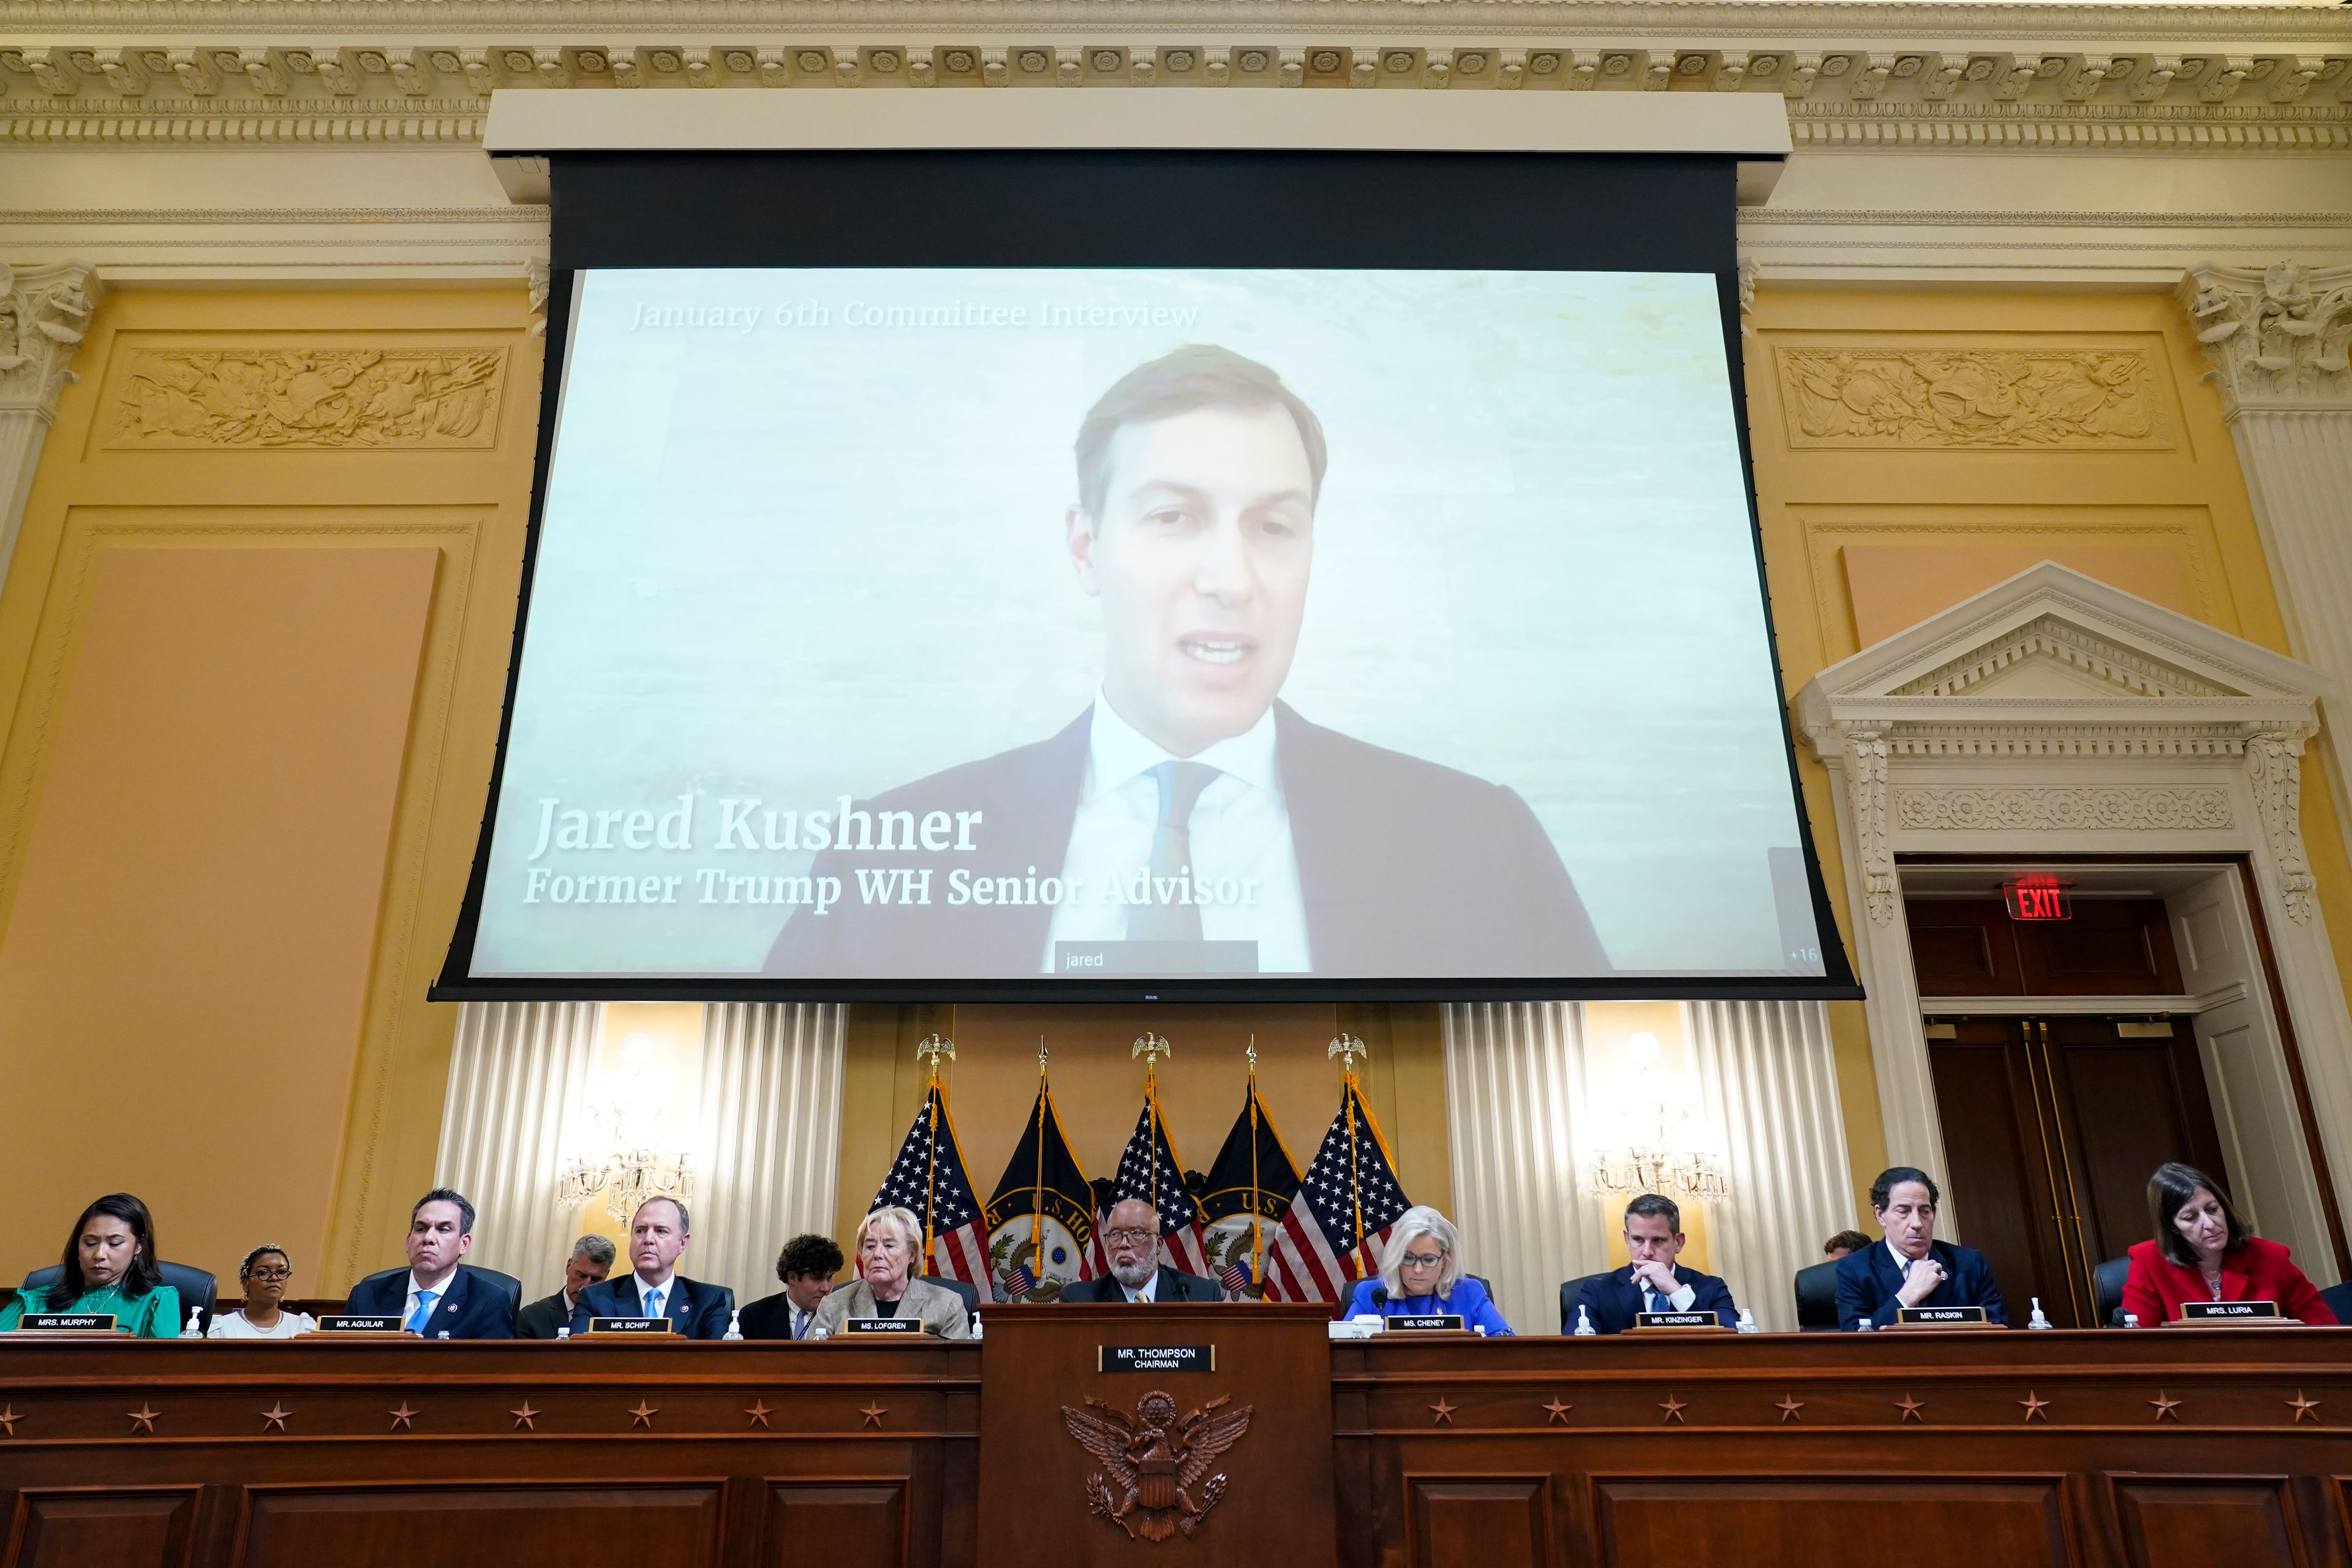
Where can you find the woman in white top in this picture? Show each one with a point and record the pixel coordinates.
(265, 1273)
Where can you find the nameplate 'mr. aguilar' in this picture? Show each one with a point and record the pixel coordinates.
(629, 1325)
(1424, 1323)
(1155, 1357)
(359, 1324)
(1935, 1317)
(68, 1322)
(882, 1325)
(2205, 1312)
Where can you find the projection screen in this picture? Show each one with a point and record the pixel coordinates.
(1159, 628)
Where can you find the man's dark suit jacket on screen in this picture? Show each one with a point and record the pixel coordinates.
(1405, 868)
(543, 1317)
(1867, 1283)
(697, 1311)
(1611, 1300)
(1174, 1285)
(472, 1308)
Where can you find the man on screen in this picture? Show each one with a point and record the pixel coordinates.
(1188, 821)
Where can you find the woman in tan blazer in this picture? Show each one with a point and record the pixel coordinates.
(888, 1246)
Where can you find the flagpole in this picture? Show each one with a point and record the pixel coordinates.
(1151, 1047)
(1037, 1197)
(1346, 1048)
(933, 1049)
(1258, 1229)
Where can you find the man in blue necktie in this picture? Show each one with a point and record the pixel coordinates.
(1652, 1281)
(658, 1237)
(437, 1297)
(1913, 1269)
(1189, 821)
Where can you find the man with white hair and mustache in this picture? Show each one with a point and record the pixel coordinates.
(1131, 1240)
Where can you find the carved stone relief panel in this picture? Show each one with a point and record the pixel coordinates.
(301, 397)
(2062, 809)
(1931, 398)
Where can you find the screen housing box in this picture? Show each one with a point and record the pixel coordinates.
(1644, 182)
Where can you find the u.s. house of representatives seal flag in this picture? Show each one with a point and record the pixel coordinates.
(1332, 1233)
(930, 1179)
(1041, 1222)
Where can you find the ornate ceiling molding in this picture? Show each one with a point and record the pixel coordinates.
(1779, 20)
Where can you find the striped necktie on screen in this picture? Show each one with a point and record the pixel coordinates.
(1181, 785)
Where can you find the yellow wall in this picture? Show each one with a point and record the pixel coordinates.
(252, 644)
(1879, 508)
(254, 638)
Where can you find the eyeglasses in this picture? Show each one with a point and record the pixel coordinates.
(1130, 1233)
(1424, 1260)
(271, 1274)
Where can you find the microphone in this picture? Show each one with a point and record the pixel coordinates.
(1381, 1299)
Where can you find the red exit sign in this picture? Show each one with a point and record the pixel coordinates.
(2037, 899)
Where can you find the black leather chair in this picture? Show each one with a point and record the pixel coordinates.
(506, 1282)
(969, 1292)
(1817, 1298)
(1569, 1291)
(2338, 1299)
(196, 1288)
(2107, 1293)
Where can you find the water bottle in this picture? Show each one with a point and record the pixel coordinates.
(564, 1332)
(2131, 1320)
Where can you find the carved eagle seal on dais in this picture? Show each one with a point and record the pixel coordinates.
(1159, 1470)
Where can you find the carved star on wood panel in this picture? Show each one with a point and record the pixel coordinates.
(1911, 1408)
(2165, 1405)
(144, 1418)
(1788, 1405)
(276, 1416)
(644, 1414)
(1556, 1410)
(2035, 1405)
(526, 1418)
(1441, 1413)
(874, 1412)
(8, 1419)
(759, 1411)
(404, 1419)
(2304, 1407)
(1673, 1409)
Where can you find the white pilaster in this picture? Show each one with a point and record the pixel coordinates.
(518, 1074)
(1515, 1111)
(44, 313)
(769, 1152)
(2276, 338)
(1770, 1079)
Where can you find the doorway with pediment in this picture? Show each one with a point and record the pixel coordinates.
(2054, 730)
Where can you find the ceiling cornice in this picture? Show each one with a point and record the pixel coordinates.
(1671, 22)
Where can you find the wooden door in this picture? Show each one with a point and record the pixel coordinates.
(2052, 1127)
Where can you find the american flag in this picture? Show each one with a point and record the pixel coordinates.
(1348, 1197)
(1150, 1171)
(930, 1179)
(1018, 1282)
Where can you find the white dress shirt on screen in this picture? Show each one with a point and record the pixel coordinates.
(1240, 832)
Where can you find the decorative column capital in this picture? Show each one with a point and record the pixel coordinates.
(2276, 337)
(44, 313)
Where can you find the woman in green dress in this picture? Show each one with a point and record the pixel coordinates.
(109, 1266)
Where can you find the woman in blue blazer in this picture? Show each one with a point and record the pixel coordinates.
(1421, 1273)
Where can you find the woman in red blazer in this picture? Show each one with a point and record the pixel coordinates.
(2204, 1252)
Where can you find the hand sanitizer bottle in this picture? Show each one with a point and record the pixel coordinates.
(1748, 1323)
(734, 1325)
(1583, 1321)
(975, 1325)
(2037, 1321)
(195, 1328)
